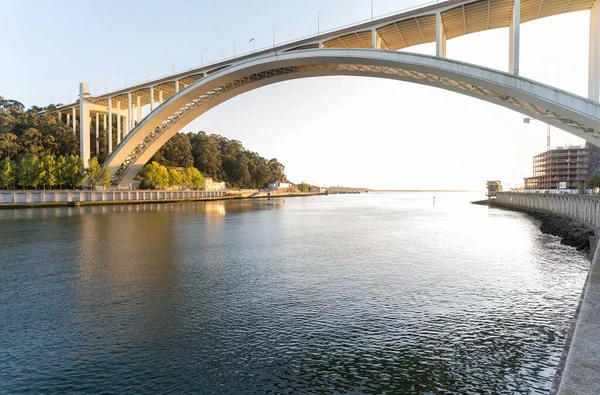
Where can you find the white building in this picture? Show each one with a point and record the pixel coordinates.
(210, 185)
(273, 186)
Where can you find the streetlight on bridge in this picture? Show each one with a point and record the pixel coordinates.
(148, 72)
(202, 56)
(319, 22)
(235, 38)
(175, 57)
(274, 26)
(131, 72)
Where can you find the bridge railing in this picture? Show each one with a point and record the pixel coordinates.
(41, 197)
(584, 208)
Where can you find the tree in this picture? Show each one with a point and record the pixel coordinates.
(303, 187)
(93, 172)
(49, 166)
(175, 178)
(74, 171)
(193, 178)
(61, 171)
(105, 178)
(7, 173)
(593, 181)
(154, 176)
(30, 171)
(176, 152)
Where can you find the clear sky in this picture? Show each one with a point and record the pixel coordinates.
(332, 131)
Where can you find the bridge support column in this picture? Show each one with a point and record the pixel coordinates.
(594, 65)
(128, 112)
(84, 123)
(74, 120)
(375, 39)
(109, 125)
(514, 38)
(68, 119)
(151, 98)
(176, 86)
(139, 109)
(440, 37)
(97, 134)
(118, 122)
(160, 97)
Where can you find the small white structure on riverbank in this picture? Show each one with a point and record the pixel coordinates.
(273, 186)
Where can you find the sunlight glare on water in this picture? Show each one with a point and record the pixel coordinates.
(372, 293)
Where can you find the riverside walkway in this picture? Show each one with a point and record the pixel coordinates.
(11, 199)
(581, 373)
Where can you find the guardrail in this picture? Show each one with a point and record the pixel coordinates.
(41, 197)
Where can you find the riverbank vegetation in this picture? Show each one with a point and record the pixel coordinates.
(26, 134)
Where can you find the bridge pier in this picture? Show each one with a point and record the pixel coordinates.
(84, 123)
(594, 61)
(118, 122)
(110, 147)
(97, 134)
(128, 112)
(514, 38)
(440, 37)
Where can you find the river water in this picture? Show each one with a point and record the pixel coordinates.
(373, 293)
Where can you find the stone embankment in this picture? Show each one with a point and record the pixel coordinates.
(575, 218)
(574, 233)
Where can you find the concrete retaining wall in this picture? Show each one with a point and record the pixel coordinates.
(581, 373)
(41, 197)
(584, 208)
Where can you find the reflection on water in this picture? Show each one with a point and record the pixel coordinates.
(366, 294)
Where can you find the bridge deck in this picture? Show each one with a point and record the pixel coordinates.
(394, 32)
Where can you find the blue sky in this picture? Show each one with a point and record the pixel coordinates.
(332, 131)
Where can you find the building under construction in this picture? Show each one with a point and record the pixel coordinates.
(560, 168)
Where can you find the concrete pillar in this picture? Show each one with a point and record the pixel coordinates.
(118, 122)
(594, 65)
(84, 123)
(514, 38)
(68, 119)
(97, 134)
(151, 98)
(176, 86)
(109, 125)
(440, 37)
(74, 120)
(139, 109)
(160, 97)
(129, 112)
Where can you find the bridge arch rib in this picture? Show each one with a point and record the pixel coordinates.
(567, 111)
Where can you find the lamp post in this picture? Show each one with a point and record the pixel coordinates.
(202, 56)
(319, 22)
(131, 72)
(175, 57)
(274, 26)
(235, 38)
(148, 72)
(372, 15)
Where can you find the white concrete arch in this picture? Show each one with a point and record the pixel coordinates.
(564, 110)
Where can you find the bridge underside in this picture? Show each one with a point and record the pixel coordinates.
(561, 109)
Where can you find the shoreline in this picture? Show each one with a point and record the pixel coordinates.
(572, 232)
(562, 227)
(14, 206)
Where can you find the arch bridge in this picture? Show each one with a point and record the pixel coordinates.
(369, 49)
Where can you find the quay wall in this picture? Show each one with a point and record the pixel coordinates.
(16, 198)
(581, 359)
(585, 208)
